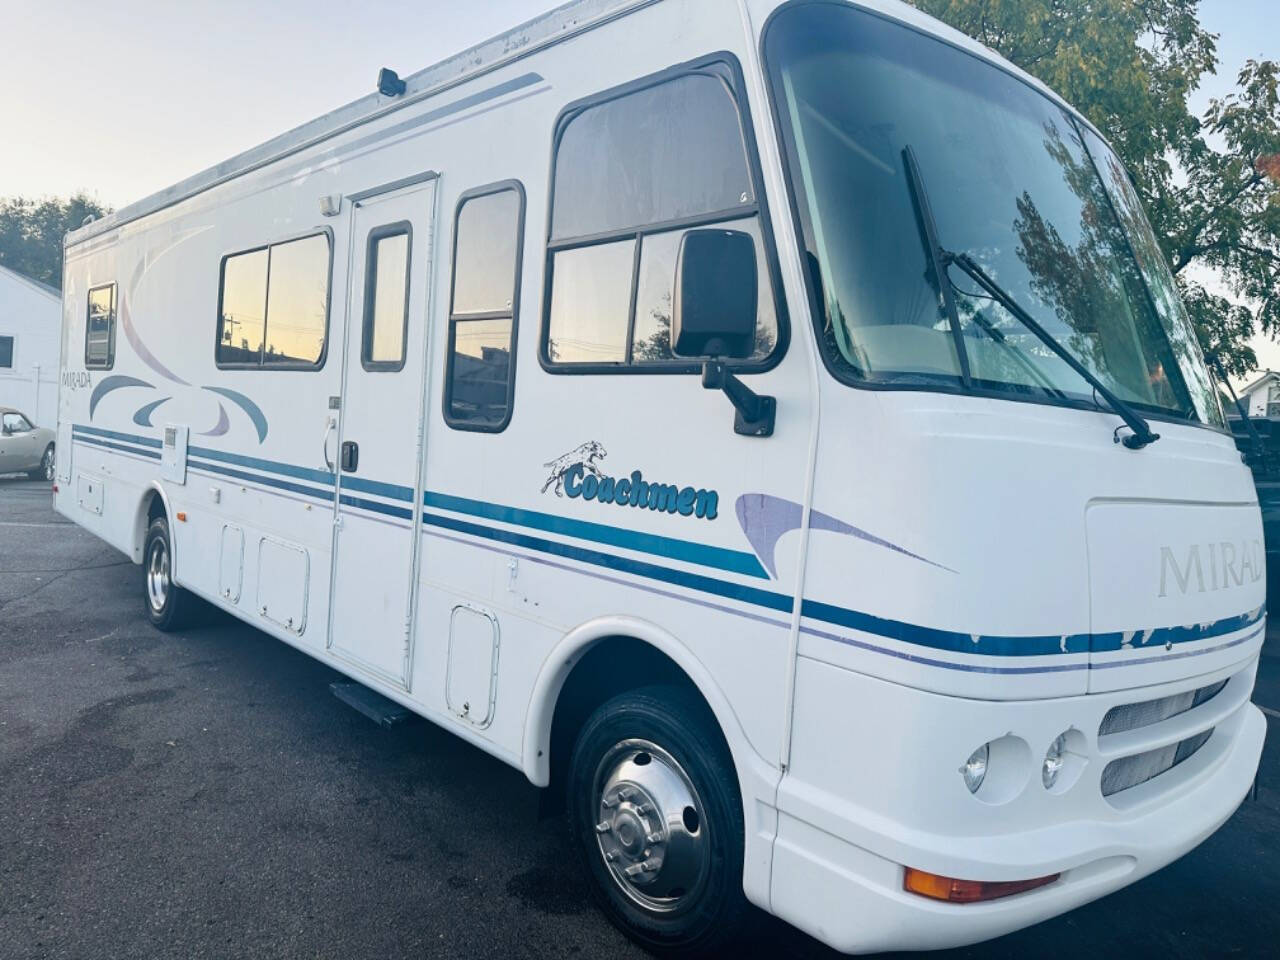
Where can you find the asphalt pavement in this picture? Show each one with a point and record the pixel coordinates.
(204, 795)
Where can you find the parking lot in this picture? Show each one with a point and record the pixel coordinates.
(203, 795)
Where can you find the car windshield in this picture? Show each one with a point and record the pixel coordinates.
(1036, 198)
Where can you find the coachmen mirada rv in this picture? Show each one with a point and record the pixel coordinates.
(772, 426)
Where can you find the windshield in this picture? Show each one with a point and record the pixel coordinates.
(1036, 199)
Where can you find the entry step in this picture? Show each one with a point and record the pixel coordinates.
(383, 712)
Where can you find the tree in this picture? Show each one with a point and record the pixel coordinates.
(31, 233)
(1210, 184)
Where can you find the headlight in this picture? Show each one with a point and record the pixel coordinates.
(975, 768)
(1053, 760)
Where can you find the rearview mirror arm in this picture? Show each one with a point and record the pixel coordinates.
(756, 414)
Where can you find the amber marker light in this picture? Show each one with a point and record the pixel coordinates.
(182, 516)
(951, 890)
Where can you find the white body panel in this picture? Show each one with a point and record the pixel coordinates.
(30, 314)
(449, 574)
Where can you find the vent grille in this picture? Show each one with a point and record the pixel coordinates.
(1130, 771)
(1131, 716)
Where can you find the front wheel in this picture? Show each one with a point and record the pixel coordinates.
(655, 812)
(169, 607)
(46, 469)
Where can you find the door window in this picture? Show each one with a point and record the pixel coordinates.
(386, 298)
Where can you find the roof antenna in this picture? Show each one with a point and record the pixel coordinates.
(389, 83)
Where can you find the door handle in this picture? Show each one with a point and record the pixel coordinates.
(350, 456)
(330, 425)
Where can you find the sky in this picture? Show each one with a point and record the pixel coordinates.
(147, 92)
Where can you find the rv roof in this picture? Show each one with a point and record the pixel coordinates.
(556, 24)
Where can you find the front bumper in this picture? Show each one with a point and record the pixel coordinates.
(880, 790)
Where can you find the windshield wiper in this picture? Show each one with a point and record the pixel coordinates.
(940, 259)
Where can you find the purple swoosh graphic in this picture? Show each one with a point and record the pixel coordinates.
(135, 341)
(766, 519)
(223, 425)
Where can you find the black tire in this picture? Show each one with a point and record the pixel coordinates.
(46, 469)
(168, 608)
(713, 913)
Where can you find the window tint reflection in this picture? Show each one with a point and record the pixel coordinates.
(480, 370)
(387, 300)
(667, 152)
(100, 327)
(591, 303)
(297, 301)
(485, 257)
(1011, 183)
(651, 339)
(244, 307)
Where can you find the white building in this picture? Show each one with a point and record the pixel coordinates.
(1262, 396)
(30, 325)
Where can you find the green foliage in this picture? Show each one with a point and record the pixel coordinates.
(31, 233)
(1210, 184)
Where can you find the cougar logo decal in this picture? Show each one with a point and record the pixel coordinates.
(585, 456)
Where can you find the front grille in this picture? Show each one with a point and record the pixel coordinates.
(1131, 716)
(1130, 771)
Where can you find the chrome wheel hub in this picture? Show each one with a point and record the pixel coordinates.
(48, 465)
(650, 826)
(157, 575)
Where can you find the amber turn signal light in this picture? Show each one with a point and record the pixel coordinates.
(967, 891)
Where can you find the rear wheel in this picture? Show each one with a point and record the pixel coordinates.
(169, 607)
(46, 468)
(655, 812)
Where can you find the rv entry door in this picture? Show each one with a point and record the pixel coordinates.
(378, 455)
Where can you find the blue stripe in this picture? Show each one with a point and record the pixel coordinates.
(325, 496)
(78, 430)
(734, 561)
(302, 473)
(404, 513)
(150, 454)
(391, 491)
(950, 640)
(1110, 642)
(703, 554)
(723, 588)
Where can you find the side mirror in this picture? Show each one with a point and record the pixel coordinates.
(714, 309)
(714, 317)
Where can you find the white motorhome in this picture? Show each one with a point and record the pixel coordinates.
(772, 425)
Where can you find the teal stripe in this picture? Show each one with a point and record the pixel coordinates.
(391, 491)
(111, 434)
(734, 561)
(271, 466)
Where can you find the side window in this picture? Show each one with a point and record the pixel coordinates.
(15, 423)
(100, 328)
(488, 235)
(632, 174)
(273, 305)
(6, 353)
(386, 298)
